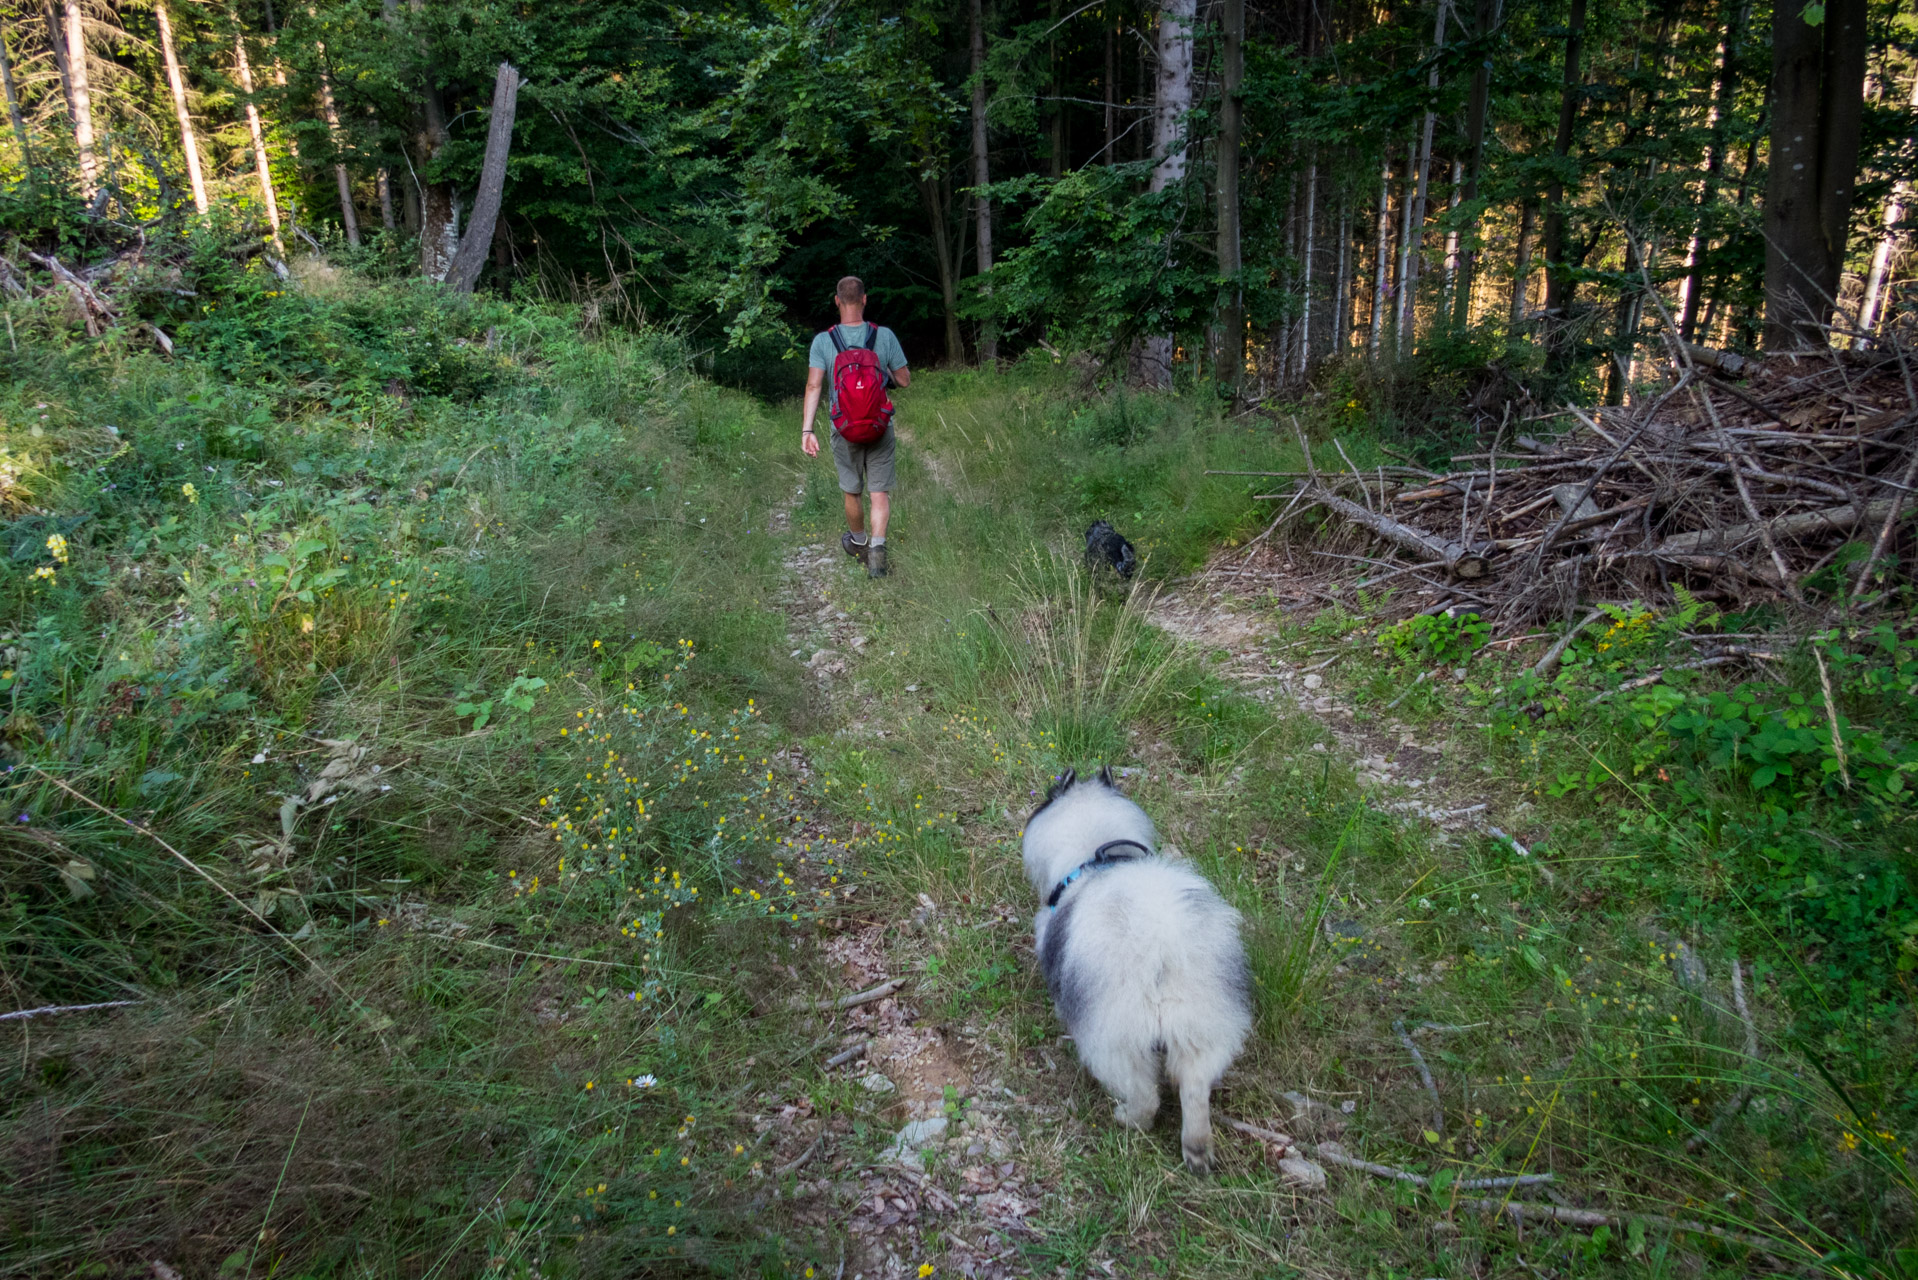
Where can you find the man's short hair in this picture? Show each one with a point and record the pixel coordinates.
(851, 289)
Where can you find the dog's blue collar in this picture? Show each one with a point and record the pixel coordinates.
(1101, 857)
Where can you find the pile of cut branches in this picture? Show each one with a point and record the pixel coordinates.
(1741, 480)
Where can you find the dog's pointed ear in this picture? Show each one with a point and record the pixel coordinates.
(1105, 776)
(1061, 784)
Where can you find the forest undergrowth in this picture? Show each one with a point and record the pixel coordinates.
(400, 717)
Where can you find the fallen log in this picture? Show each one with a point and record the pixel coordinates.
(1461, 561)
(1828, 520)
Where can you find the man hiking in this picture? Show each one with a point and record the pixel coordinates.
(856, 362)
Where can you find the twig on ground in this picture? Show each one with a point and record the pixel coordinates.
(844, 1056)
(1423, 676)
(1425, 1074)
(879, 992)
(804, 1156)
(47, 1010)
(1549, 663)
(1594, 1218)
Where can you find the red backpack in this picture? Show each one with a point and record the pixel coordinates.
(861, 412)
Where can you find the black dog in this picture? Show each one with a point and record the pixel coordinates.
(1106, 545)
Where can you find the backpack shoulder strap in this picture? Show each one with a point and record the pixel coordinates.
(838, 342)
(872, 336)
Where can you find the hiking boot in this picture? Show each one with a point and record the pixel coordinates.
(857, 550)
(875, 559)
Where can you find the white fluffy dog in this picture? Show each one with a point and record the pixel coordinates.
(1142, 956)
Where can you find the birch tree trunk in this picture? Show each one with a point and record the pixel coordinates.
(464, 271)
(1409, 282)
(1406, 246)
(82, 100)
(259, 138)
(1231, 341)
(1305, 310)
(1382, 257)
(981, 179)
(1174, 101)
(1880, 258)
(177, 83)
(345, 182)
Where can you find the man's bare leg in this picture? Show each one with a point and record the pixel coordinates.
(856, 518)
(881, 513)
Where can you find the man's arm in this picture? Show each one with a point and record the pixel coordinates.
(815, 383)
(902, 376)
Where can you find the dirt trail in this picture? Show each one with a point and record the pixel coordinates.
(1228, 609)
(954, 1186)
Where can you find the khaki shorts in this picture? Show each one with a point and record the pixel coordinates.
(864, 466)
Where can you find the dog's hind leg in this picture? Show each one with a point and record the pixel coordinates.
(1195, 1129)
(1132, 1075)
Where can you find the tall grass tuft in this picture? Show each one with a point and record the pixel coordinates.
(1080, 662)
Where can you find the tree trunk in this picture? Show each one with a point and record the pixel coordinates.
(1881, 257)
(1341, 327)
(13, 104)
(1451, 243)
(932, 192)
(57, 45)
(348, 217)
(1231, 343)
(1560, 287)
(1478, 107)
(259, 138)
(82, 100)
(464, 272)
(1818, 75)
(981, 179)
(1708, 326)
(178, 85)
(383, 183)
(1056, 118)
(1382, 258)
(1110, 85)
(1173, 102)
(1522, 262)
(1407, 247)
(1736, 13)
(1305, 310)
(1408, 290)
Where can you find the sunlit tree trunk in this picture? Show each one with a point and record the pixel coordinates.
(1451, 242)
(57, 46)
(1887, 242)
(383, 183)
(1341, 326)
(981, 178)
(1407, 246)
(348, 217)
(464, 271)
(1522, 262)
(1415, 241)
(82, 100)
(1171, 104)
(1478, 107)
(1382, 258)
(177, 83)
(1736, 13)
(259, 138)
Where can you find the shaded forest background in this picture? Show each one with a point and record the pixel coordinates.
(1548, 189)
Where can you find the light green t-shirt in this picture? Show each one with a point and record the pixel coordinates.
(890, 354)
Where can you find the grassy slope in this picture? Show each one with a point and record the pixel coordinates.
(424, 1109)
